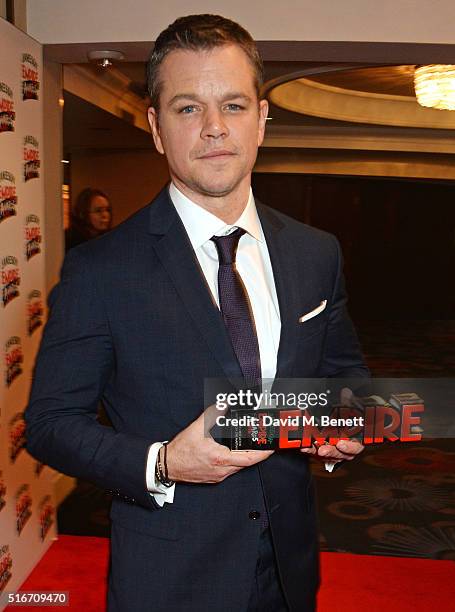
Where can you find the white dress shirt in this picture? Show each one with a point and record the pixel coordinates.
(254, 266)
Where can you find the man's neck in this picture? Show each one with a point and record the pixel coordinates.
(228, 208)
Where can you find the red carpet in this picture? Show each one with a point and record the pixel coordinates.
(350, 583)
(77, 564)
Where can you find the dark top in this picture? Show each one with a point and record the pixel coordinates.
(73, 237)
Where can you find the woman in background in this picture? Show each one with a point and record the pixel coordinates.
(91, 216)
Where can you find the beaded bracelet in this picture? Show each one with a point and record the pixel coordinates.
(161, 470)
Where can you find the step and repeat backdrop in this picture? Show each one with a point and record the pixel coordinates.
(27, 509)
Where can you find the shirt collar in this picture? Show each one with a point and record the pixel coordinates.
(201, 225)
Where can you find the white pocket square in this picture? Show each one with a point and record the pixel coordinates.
(313, 313)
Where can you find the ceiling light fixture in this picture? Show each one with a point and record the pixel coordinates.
(105, 59)
(435, 86)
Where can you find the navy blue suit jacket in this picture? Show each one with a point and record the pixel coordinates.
(133, 322)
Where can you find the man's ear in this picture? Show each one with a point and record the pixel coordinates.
(152, 116)
(263, 112)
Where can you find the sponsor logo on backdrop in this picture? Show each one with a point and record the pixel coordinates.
(14, 359)
(10, 279)
(31, 158)
(8, 195)
(2, 492)
(46, 516)
(35, 311)
(23, 507)
(33, 236)
(16, 436)
(7, 113)
(6, 565)
(39, 468)
(30, 80)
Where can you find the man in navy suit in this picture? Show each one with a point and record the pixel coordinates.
(139, 319)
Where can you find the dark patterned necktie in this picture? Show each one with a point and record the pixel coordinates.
(238, 318)
(236, 309)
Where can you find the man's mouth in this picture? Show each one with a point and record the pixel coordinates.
(216, 153)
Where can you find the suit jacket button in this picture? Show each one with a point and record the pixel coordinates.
(254, 515)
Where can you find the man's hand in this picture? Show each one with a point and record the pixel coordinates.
(344, 449)
(194, 456)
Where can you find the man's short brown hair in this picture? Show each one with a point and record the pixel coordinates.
(200, 33)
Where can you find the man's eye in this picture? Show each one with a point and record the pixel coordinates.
(187, 110)
(233, 107)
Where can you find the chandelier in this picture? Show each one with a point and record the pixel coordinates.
(435, 86)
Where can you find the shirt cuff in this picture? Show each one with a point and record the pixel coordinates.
(329, 465)
(161, 493)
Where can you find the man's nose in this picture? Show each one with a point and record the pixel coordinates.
(214, 125)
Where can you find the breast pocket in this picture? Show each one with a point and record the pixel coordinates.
(310, 345)
(313, 326)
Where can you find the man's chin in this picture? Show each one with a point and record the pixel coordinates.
(217, 189)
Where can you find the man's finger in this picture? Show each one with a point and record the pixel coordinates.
(346, 396)
(208, 417)
(350, 447)
(343, 450)
(309, 450)
(246, 458)
(330, 452)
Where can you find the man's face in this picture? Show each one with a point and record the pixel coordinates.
(210, 121)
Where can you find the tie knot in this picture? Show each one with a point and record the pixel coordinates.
(227, 246)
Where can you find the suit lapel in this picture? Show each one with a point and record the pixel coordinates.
(173, 248)
(282, 257)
